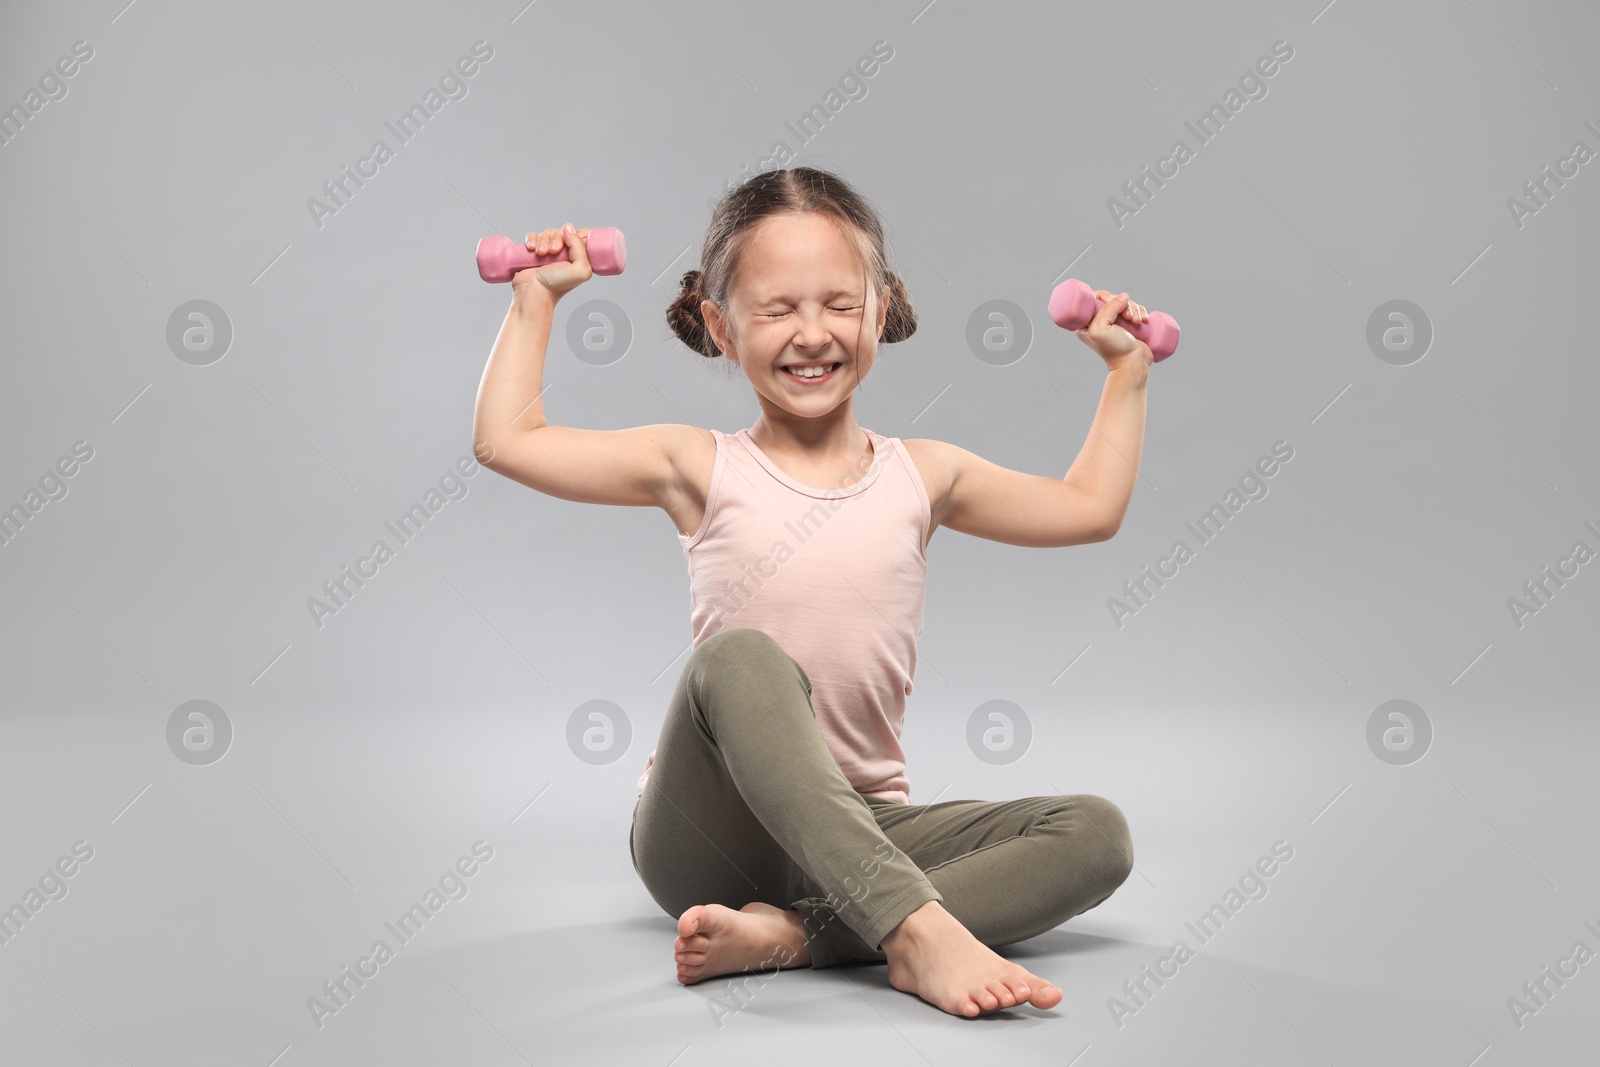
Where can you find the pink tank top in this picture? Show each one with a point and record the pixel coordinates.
(836, 576)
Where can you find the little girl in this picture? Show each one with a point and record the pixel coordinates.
(773, 818)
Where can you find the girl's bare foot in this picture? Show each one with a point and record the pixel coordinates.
(932, 955)
(713, 940)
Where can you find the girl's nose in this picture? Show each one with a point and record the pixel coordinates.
(811, 334)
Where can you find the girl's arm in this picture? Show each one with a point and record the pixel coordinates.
(1107, 466)
(510, 434)
(974, 496)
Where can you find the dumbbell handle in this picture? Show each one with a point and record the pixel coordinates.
(1073, 304)
(500, 257)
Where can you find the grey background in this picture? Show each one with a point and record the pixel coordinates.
(432, 711)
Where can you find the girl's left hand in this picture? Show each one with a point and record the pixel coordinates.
(1111, 342)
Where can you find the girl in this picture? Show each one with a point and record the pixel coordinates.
(775, 823)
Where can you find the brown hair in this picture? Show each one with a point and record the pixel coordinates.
(798, 190)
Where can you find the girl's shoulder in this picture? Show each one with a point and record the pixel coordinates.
(937, 462)
(692, 458)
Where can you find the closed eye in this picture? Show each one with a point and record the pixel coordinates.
(781, 314)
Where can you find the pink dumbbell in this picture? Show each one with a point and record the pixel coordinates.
(500, 257)
(1073, 304)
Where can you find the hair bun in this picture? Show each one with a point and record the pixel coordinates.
(901, 321)
(683, 316)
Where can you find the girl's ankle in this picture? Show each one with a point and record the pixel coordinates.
(912, 926)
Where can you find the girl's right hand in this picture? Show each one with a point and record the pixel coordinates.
(561, 277)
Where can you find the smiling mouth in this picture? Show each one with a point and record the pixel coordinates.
(814, 377)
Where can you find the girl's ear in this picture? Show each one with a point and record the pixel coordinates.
(714, 324)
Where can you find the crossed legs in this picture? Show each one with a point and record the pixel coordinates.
(745, 808)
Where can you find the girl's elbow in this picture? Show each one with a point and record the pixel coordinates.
(1109, 528)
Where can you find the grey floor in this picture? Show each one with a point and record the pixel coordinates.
(219, 901)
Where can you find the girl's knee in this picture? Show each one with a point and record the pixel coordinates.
(1107, 833)
(737, 643)
(742, 646)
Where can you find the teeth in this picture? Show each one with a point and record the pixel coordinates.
(811, 372)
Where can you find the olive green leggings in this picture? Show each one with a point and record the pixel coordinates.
(745, 802)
